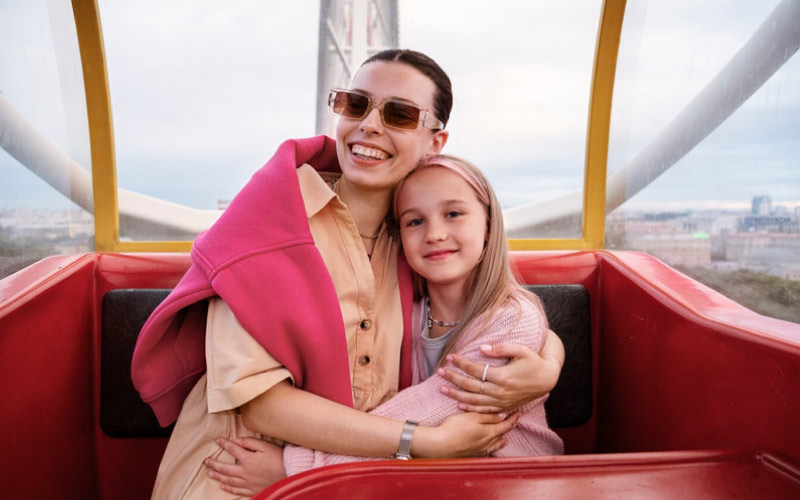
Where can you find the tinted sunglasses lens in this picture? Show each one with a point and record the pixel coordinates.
(400, 115)
(350, 105)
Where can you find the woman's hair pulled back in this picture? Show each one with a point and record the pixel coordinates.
(443, 99)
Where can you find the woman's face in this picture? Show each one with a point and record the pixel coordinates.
(373, 156)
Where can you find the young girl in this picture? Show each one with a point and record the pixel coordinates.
(467, 297)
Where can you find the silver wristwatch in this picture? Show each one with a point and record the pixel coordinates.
(404, 448)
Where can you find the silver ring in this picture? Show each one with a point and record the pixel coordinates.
(485, 371)
(482, 383)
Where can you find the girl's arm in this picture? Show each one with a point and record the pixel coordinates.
(528, 376)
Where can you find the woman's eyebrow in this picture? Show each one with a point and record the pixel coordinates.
(391, 97)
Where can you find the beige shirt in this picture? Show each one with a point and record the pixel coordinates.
(240, 369)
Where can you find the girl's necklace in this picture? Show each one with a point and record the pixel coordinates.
(432, 320)
(373, 237)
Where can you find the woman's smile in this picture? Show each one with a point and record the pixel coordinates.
(365, 152)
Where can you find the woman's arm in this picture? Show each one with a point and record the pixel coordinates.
(259, 463)
(308, 420)
(528, 376)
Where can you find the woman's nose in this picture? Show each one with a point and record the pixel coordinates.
(372, 122)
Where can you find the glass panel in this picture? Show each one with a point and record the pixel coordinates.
(45, 193)
(521, 74)
(203, 96)
(705, 95)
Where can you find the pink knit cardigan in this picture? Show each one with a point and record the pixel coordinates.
(517, 321)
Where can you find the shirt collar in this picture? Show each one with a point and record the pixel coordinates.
(315, 188)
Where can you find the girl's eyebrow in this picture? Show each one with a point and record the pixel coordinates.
(444, 203)
(404, 212)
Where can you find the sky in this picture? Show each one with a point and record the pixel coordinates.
(204, 91)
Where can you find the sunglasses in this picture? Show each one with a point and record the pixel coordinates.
(394, 113)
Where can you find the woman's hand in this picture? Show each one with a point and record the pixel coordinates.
(258, 465)
(463, 435)
(526, 377)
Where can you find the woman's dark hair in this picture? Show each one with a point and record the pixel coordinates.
(443, 99)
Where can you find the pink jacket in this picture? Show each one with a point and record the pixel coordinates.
(260, 258)
(518, 321)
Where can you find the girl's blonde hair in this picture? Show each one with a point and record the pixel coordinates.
(493, 273)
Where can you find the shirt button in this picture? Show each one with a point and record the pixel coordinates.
(364, 360)
(365, 324)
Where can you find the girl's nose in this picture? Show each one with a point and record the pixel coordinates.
(435, 232)
(372, 122)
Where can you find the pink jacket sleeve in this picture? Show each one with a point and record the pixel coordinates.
(520, 323)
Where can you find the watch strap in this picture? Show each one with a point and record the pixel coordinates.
(404, 447)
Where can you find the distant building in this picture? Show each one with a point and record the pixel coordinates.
(682, 249)
(762, 205)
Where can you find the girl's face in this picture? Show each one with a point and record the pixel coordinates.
(373, 156)
(442, 225)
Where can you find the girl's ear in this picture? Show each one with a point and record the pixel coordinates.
(439, 140)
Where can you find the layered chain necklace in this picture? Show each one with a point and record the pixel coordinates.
(433, 321)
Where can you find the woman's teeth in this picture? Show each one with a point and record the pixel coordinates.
(369, 153)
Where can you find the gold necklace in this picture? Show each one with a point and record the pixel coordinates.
(374, 236)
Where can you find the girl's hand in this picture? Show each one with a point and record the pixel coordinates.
(258, 465)
(526, 377)
(463, 435)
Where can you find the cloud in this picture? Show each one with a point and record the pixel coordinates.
(207, 90)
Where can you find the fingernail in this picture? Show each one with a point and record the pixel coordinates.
(444, 390)
(486, 347)
(238, 440)
(462, 406)
(449, 358)
(205, 462)
(440, 372)
(218, 441)
(502, 416)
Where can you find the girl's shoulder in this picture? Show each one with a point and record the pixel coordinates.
(518, 319)
(520, 304)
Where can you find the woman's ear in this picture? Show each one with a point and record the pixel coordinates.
(439, 140)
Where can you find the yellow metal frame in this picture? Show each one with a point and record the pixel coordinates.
(101, 136)
(597, 136)
(104, 173)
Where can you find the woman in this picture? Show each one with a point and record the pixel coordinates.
(297, 250)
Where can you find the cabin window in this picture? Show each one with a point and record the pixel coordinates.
(202, 95)
(706, 173)
(45, 161)
(521, 74)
